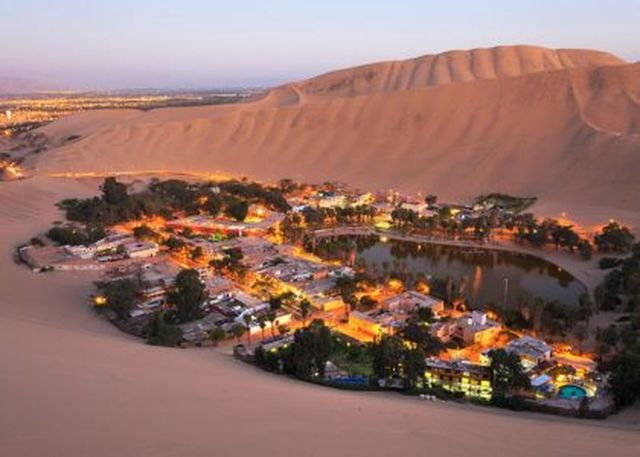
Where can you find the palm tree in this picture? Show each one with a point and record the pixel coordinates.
(305, 311)
(237, 331)
(272, 317)
(247, 320)
(283, 329)
(262, 323)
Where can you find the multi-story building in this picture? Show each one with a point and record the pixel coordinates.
(459, 377)
(472, 328)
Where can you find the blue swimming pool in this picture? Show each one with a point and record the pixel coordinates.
(571, 391)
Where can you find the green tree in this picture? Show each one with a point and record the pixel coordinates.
(425, 314)
(413, 366)
(237, 330)
(388, 354)
(272, 316)
(247, 318)
(275, 302)
(197, 253)
(144, 232)
(431, 199)
(419, 335)
(174, 243)
(113, 192)
(121, 296)
(213, 205)
(262, 323)
(305, 311)
(187, 295)
(507, 374)
(161, 333)
(238, 210)
(586, 250)
(310, 350)
(216, 335)
(625, 379)
(614, 237)
(286, 185)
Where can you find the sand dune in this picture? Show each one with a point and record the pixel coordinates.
(451, 67)
(560, 125)
(73, 385)
(563, 126)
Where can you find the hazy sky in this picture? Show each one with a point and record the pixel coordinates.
(207, 43)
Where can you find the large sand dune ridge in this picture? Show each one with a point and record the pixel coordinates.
(567, 131)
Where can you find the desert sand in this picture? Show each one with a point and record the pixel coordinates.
(73, 385)
(562, 125)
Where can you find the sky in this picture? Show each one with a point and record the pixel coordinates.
(208, 43)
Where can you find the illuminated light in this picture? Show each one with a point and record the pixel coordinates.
(395, 285)
(100, 300)
(384, 239)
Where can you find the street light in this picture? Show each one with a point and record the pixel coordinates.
(506, 291)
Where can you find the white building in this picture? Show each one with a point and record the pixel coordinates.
(472, 328)
(112, 242)
(141, 249)
(82, 252)
(333, 201)
(531, 351)
(411, 300)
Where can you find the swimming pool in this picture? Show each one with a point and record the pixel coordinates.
(571, 391)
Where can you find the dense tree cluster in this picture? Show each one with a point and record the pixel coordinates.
(144, 232)
(622, 286)
(625, 378)
(186, 296)
(319, 217)
(614, 238)
(310, 350)
(255, 193)
(622, 282)
(230, 262)
(417, 333)
(73, 235)
(392, 359)
(507, 375)
(549, 231)
(165, 198)
(549, 317)
(348, 286)
(121, 296)
(160, 332)
(306, 357)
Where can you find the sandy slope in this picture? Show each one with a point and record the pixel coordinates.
(554, 124)
(450, 67)
(72, 385)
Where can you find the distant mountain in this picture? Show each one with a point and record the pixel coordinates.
(17, 86)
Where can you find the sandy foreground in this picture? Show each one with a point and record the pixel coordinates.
(73, 385)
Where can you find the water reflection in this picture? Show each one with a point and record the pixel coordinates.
(483, 276)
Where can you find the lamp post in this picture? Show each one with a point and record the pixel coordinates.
(506, 292)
